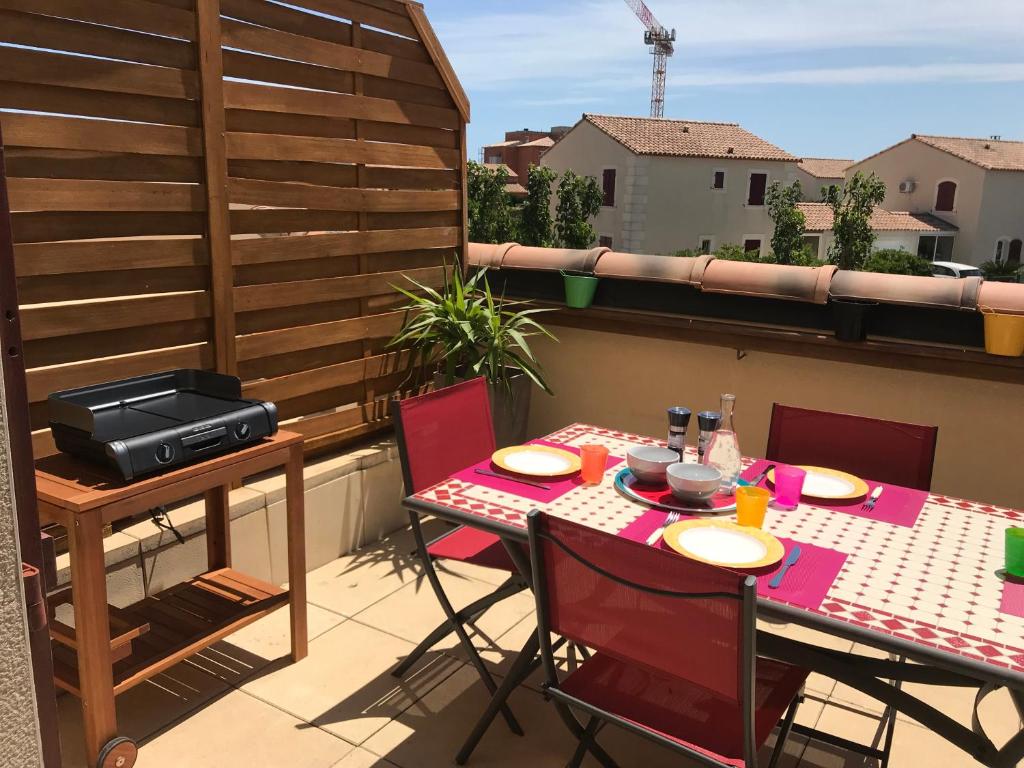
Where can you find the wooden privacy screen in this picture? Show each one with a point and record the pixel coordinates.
(228, 184)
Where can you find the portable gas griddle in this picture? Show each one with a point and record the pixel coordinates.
(154, 423)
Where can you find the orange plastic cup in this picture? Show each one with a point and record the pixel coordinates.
(751, 505)
(593, 459)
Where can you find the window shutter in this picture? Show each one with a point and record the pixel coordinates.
(945, 196)
(758, 184)
(609, 187)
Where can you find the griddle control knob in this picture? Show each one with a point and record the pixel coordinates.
(243, 430)
(164, 453)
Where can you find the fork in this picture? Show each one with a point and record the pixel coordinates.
(672, 517)
(872, 500)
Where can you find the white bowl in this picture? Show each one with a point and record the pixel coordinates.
(693, 482)
(649, 462)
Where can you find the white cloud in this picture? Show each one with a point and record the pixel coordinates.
(597, 44)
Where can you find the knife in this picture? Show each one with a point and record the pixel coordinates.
(794, 555)
(757, 480)
(873, 499)
(502, 476)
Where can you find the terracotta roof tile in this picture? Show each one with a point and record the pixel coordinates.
(818, 218)
(544, 141)
(824, 167)
(992, 154)
(686, 138)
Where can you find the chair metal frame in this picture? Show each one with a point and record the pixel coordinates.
(455, 620)
(565, 703)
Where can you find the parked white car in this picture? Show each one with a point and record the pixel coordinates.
(954, 269)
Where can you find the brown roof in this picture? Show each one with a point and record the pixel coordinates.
(993, 154)
(818, 218)
(544, 141)
(824, 167)
(501, 167)
(686, 138)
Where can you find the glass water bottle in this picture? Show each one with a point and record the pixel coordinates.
(723, 452)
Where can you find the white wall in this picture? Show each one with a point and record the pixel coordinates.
(1002, 213)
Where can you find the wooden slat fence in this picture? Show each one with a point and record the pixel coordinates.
(232, 185)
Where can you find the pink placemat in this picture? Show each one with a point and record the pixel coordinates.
(897, 505)
(558, 485)
(1013, 599)
(805, 584)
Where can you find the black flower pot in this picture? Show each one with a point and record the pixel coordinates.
(851, 318)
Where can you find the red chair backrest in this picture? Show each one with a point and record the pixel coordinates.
(443, 431)
(596, 591)
(886, 451)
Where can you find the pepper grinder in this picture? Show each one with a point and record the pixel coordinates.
(708, 421)
(678, 421)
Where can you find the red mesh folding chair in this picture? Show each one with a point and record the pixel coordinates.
(438, 434)
(886, 451)
(674, 658)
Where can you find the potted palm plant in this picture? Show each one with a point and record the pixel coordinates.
(463, 331)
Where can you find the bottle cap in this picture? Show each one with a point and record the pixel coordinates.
(709, 420)
(678, 416)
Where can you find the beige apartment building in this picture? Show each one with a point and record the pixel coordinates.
(977, 185)
(671, 185)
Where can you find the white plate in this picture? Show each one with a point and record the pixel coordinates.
(823, 486)
(530, 462)
(721, 545)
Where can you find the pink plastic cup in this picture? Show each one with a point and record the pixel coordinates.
(789, 484)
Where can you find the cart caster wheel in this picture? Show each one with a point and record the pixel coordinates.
(119, 752)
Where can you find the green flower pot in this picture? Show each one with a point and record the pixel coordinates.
(579, 290)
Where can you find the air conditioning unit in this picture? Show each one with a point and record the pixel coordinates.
(907, 186)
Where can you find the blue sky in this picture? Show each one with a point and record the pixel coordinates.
(821, 78)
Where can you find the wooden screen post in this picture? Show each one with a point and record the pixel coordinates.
(211, 76)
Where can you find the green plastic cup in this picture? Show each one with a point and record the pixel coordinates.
(1015, 552)
(579, 290)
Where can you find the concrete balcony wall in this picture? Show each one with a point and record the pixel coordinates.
(351, 499)
(627, 381)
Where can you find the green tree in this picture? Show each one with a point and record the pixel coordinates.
(897, 261)
(492, 214)
(851, 219)
(579, 200)
(732, 252)
(537, 227)
(788, 238)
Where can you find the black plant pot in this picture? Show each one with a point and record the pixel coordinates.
(851, 317)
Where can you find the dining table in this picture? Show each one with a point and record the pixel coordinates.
(918, 577)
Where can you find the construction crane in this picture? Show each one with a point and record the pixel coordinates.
(662, 45)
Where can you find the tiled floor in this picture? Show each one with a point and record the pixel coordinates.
(242, 704)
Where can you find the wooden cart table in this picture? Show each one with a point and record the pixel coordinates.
(109, 651)
(916, 577)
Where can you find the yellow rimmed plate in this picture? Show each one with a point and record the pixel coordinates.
(723, 543)
(536, 460)
(824, 483)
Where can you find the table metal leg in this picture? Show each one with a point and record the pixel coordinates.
(295, 513)
(218, 528)
(524, 664)
(92, 632)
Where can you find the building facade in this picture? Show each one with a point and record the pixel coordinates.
(672, 185)
(977, 185)
(928, 236)
(816, 174)
(520, 150)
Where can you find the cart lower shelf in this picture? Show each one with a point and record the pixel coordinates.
(183, 620)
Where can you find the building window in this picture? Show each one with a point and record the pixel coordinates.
(814, 243)
(608, 186)
(935, 247)
(605, 241)
(494, 160)
(718, 181)
(752, 243)
(945, 196)
(705, 244)
(758, 185)
(1000, 250)
(1013, 255)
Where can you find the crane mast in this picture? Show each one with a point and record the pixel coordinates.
(662, 45)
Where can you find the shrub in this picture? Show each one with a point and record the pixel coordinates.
(1001, 270)
(730, 252)
(897, 261)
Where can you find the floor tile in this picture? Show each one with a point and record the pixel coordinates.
(345, 684)
(253, 647)
(360, 758)
(412, 611)
(142, 710)
(354, 582)
(239, 731)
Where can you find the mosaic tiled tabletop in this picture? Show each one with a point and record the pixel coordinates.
(933, 584)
